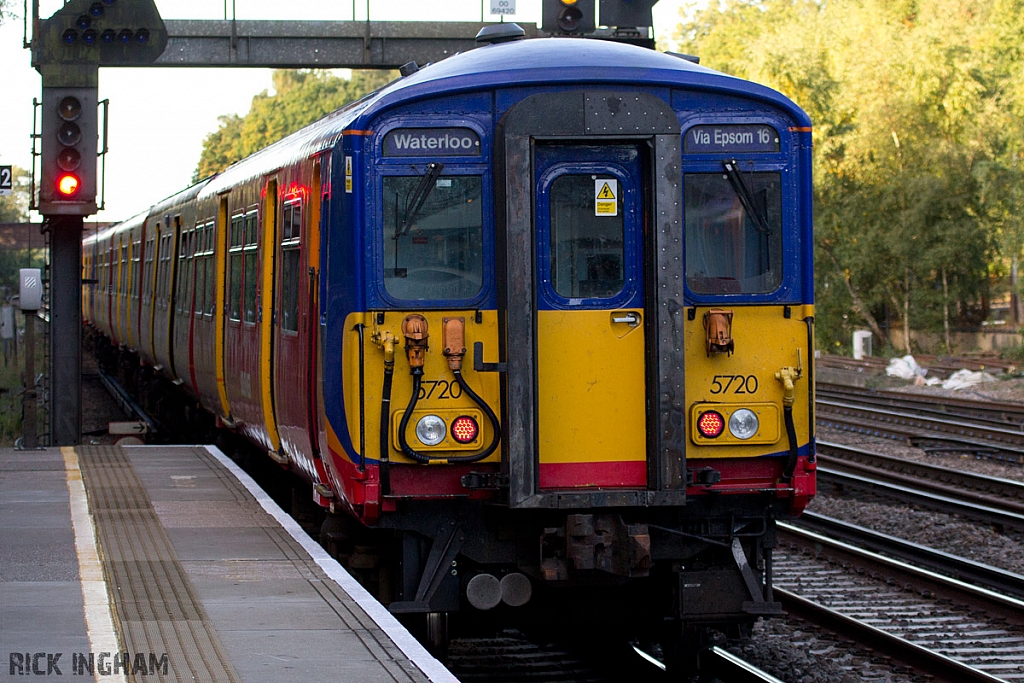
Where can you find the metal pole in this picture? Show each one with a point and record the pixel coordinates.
(65, 330)
(29, 439)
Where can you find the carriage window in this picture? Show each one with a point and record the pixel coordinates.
(210, 273)
(147, 272)
(290, 267)
(123, 274)
(249, 267)
(433, 232)
(587, 258)
(733, 225)
(184, 285)
(164, 274)
(133, 285)
(204, 274)
(235, 267)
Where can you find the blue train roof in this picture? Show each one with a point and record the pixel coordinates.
(570, 61)
(564, 61)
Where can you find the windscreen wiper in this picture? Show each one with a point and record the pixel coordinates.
(427, 182)
(742, 190)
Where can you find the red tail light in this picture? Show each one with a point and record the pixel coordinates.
(710, 424)
(465, 429)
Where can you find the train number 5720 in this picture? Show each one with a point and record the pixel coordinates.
(448, 390)
(734, 384)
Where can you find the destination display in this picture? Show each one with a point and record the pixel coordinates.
(418, 142)
(711, 139)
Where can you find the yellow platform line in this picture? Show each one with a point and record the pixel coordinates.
(99, 621)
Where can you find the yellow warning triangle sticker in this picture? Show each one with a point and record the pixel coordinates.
(606, 193)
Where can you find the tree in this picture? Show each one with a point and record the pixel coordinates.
(916, 108)
(14, 208)
(300, 98)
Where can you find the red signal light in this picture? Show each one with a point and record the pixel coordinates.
(710, 424)
(465, 429)
(67, 184)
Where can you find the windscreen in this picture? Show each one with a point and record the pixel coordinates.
(733, 225)
(433, 229)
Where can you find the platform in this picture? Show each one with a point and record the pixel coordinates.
(164, 563)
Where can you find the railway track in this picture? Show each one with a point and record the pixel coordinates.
(947, 564)
(947, 628)
(934, 423)
(1009, 414)
(513, 657)
(928, 432)
(719, 664)
(955, 504)
(980, 489)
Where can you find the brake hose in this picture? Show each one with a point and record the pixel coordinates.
(387, 342)
(788, 376)
(414, 327)
(787, 416)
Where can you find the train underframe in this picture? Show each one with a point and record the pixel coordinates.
(660, 578)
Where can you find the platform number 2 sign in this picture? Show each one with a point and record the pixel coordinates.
(6, 181)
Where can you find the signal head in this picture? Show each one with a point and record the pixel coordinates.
(69, 143)
(568, 17)
(67, 185)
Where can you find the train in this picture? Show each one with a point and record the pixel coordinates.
(534, 324)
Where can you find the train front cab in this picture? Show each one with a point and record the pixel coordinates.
(604, 354)
(670, 409)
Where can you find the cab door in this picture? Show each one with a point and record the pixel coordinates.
(590, 338)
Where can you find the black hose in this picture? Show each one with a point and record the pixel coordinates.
(417, 374)
(385, 414)
(787, 473)
(495, 426)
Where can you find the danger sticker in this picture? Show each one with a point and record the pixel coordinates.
(606, 197)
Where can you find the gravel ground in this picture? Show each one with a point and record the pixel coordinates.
(98, 408)
(796, 652)
(943, 531)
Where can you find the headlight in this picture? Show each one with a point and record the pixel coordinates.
(743, 423)
(430, 430)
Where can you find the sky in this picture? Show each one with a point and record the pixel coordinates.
(160, 116)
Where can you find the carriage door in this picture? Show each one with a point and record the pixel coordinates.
(591, 386)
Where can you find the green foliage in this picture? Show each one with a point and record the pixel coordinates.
(14, 209)
(919, 144)
(301, 97)
(12, 387)
(12, 261)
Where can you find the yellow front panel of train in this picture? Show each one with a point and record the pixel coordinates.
(591, 398)
(765, 340)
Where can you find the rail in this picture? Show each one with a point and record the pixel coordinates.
(935, 624)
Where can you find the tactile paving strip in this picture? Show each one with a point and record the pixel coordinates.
(155, 605)
(377, 643)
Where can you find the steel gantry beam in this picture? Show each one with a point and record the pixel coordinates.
(315, 44)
